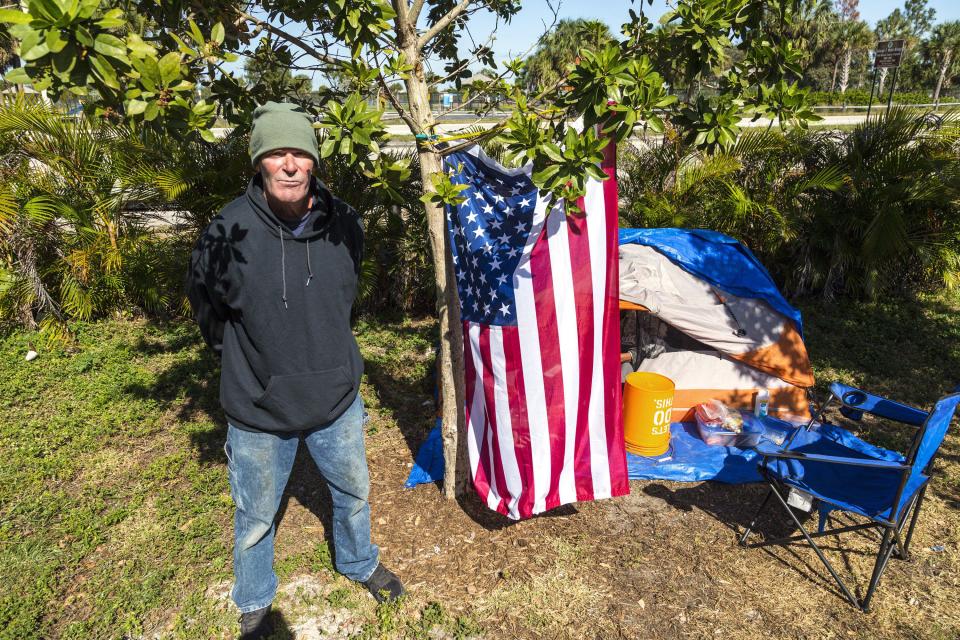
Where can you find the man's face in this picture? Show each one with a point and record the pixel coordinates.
(286, 175)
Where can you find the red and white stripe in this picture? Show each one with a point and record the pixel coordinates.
(543, 397)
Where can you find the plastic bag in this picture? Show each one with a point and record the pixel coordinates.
(720, 426)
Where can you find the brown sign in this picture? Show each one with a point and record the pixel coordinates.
(888, 54)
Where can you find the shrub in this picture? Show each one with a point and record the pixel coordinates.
(861, 97)
(873, 211)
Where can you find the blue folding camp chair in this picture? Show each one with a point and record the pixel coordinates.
(847, 474)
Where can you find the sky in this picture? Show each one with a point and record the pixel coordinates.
(514, 39)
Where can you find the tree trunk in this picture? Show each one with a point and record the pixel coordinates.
(450, 369)
(883, 79)
(845, 75)
(833, 80)
(943, 74)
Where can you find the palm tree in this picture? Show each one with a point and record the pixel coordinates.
(942, 45)
(74, 227)
(548, 64)
(894, 224)
(856, 37)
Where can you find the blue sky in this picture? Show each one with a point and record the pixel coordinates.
(516, 37)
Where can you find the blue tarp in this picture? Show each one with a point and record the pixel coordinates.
(689, 459)
(718, 259)
(428, 466)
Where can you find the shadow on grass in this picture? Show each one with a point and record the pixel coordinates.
(190, 386)
(281, 628)
(403, 396)
(309, 488)
(908, 350)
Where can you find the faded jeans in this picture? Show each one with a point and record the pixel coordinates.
(259, 465)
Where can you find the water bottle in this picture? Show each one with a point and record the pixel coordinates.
(760, 404)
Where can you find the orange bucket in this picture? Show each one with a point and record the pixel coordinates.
(647, 409)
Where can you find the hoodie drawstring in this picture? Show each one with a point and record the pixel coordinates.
(309, 270)
(283, 267)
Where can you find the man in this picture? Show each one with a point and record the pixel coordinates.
(272, 281)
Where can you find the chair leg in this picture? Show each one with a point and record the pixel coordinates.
(913, 520)
(756, 516)
(886, 548)
(823, 558)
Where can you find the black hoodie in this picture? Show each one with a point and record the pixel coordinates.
(276, 308)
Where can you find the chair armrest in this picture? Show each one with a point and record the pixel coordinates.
(816, 457)
(860, 400)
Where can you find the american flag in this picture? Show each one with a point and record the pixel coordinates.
(539, 303)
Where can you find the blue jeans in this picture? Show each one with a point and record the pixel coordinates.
(259, 465)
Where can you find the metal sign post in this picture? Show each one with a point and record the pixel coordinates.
(888, 55)
(873, 86)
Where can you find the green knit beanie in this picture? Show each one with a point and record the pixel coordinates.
(281, 125)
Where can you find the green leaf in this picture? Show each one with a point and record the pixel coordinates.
(45, 9)
(71, 9)
(35, 52)
(149, 72)
(169, 67)
(218, 34)
(111, 19)
(55, 42)
(138, 48)
(553, 152)
(207, 135)
(28, 40)
(110, 45)
(184, 48)
(17, 76)
(327, 148)
(196, 33)
(152, 111)
(82, 34)
(136, 107)
(104, 72)
(87, 9)
(13, 16)
(63, 64)
(542, 176)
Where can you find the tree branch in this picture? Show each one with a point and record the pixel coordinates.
(403, 17)
(403, 115)
(401, 9)
(503, 74)
(443, 23)
(472, 58)
(414, 12)
(280, 33)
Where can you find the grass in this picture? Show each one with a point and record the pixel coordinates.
(116, 518)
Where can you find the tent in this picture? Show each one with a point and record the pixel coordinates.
(698, 307)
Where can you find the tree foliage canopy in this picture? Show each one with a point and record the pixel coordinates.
(146, 62)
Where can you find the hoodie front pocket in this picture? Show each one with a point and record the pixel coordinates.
(305, 400)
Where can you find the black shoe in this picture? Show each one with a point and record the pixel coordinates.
(384, 584)
(255, 625)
